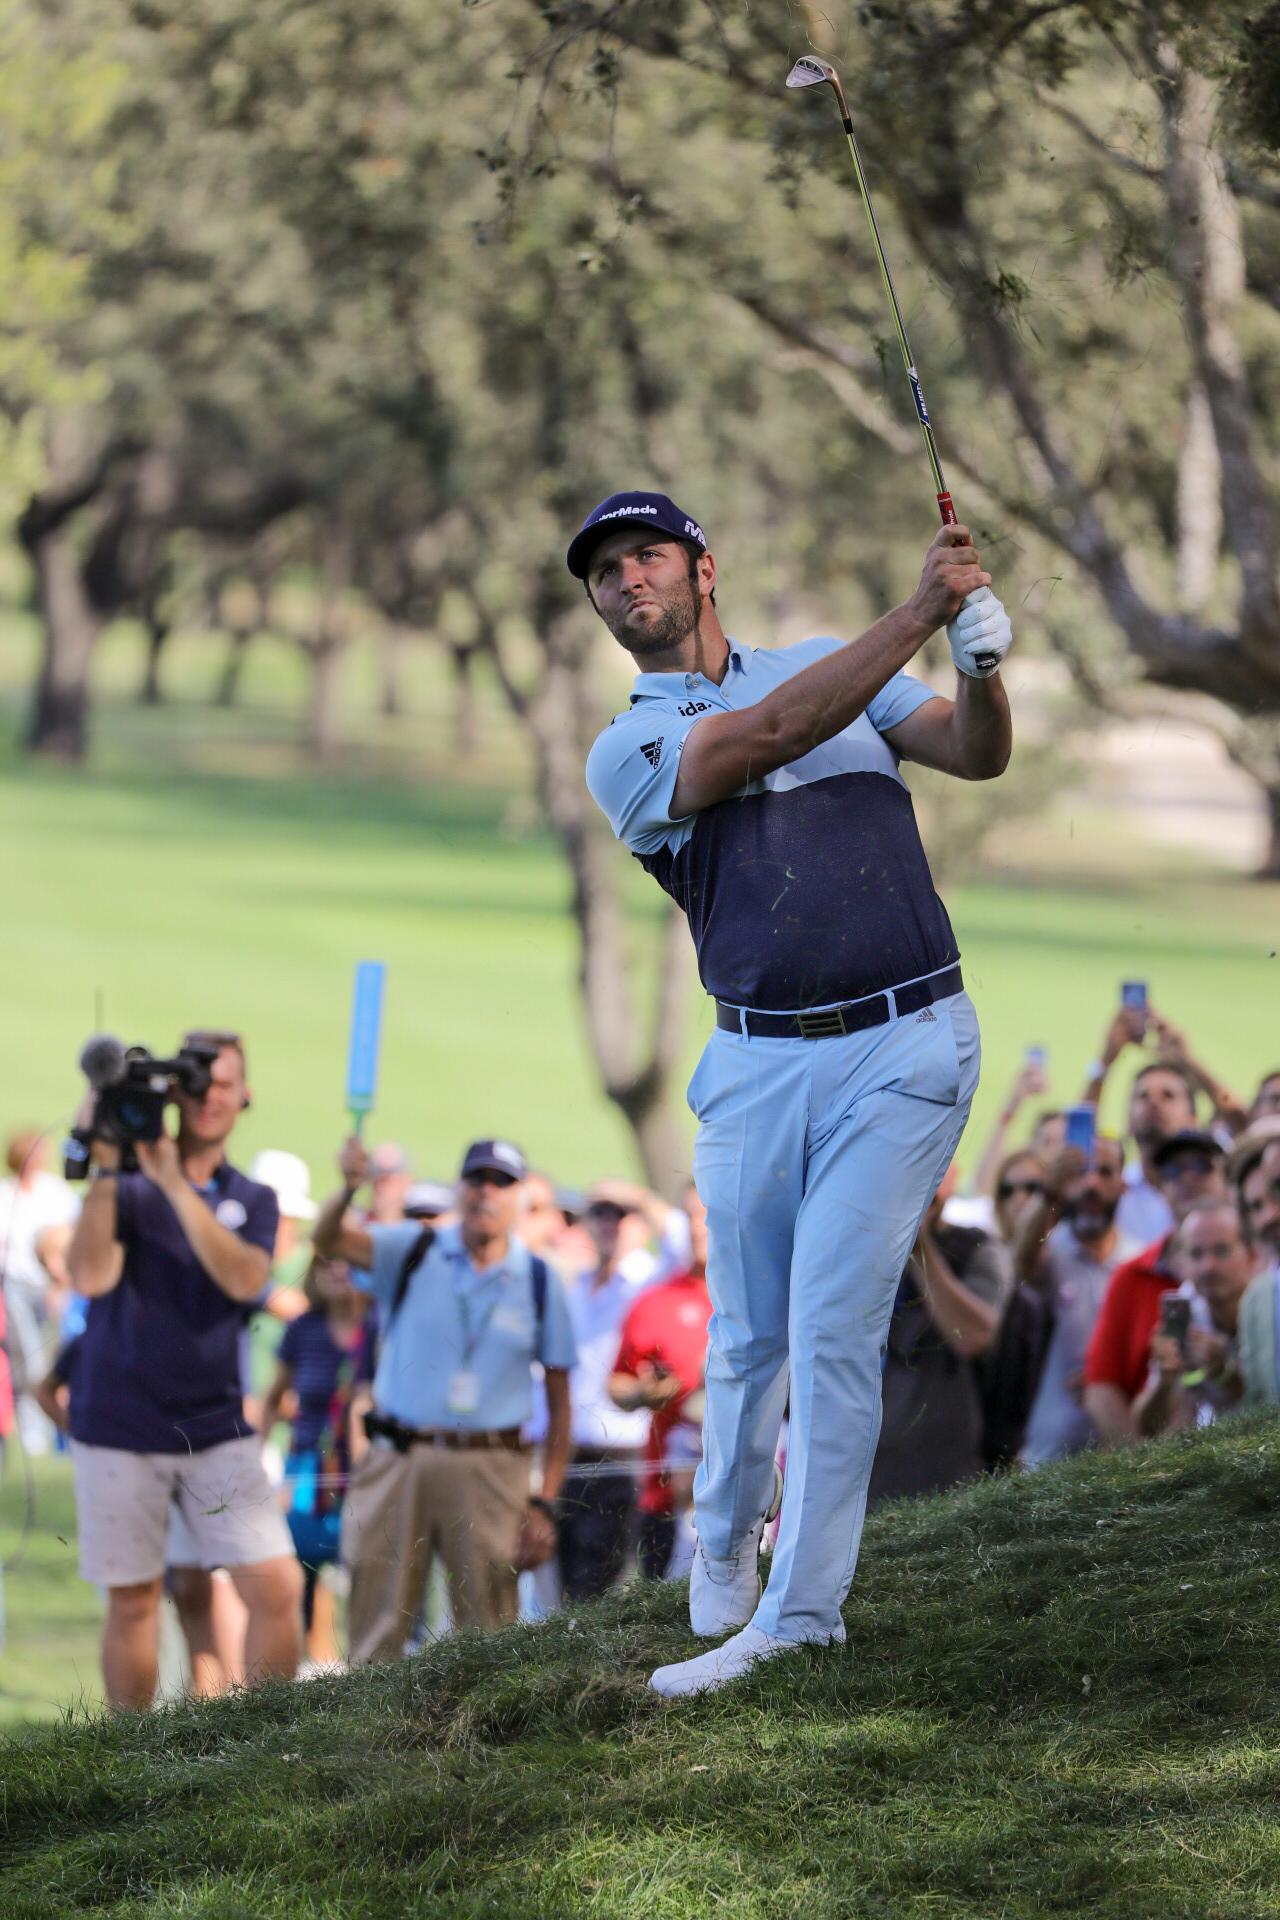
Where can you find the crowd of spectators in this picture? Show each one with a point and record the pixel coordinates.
(448, 1401)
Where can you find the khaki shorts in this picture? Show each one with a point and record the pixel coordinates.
(124, 1502)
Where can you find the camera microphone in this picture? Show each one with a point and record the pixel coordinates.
(102, 1061)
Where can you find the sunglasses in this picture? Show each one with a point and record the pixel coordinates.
(489, 1177)
(1199, 1163)
(1007, 1188)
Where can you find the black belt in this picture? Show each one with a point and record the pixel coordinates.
(853, 1017)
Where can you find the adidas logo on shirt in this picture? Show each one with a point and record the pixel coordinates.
(652, 752)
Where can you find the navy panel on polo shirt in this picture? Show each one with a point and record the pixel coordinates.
(811, 885)
(158, 1367)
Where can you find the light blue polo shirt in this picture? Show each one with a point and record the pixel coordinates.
(457, 1320)
(808, 887)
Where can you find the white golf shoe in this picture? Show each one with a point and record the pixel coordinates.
(719, 1665)
(723, 1594)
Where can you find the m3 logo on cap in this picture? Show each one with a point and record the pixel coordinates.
(653, 753)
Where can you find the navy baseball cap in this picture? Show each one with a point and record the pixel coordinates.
(494, 1156)
(657, 511)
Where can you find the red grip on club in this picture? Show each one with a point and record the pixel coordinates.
(947, 509)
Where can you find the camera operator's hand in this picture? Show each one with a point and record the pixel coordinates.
(354, 1163)
(159, 1160)
(102, 1153)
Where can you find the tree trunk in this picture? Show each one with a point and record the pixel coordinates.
(158, 631)
(59, 719)
(325, 655)
(1270, 865)
(466, 712)
(390, 661)
(228, 688)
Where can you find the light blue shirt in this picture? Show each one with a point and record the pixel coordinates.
(455, 1320)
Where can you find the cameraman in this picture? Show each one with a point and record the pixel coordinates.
(173, 1260)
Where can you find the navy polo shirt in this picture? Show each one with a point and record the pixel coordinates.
(809, 886)
(158, 1366)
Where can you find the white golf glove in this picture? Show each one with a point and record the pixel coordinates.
(980, 635)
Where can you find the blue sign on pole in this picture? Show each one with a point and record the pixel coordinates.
(366, 1030)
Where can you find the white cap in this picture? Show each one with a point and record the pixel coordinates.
(289, 1180)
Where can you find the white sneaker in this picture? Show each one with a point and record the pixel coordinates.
(723, 1594)
(715, 1668)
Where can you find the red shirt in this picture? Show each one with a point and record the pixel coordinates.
(667, 1326)
(1119, 1352)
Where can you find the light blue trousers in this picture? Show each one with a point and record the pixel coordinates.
(815, 1160)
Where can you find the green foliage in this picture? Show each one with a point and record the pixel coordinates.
(1057, 1695)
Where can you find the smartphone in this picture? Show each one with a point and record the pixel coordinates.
(1081, 1126)
(1175, 1317)
(1133, 993)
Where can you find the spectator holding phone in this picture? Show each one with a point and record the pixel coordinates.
(1078, 1256)
(1162, 1101)
(1195, 1366)
(1188, 1170)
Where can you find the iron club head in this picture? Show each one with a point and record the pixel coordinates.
(810, 70)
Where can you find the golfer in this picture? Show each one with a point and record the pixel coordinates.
(762, 791)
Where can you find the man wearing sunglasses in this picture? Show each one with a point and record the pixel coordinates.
(1187, 1171)
(466, 1310)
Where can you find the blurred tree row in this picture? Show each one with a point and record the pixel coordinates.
(390, 294)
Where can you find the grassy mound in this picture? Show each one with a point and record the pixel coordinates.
(1058, 1695)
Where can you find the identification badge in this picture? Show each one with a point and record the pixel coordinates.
(463, 1393)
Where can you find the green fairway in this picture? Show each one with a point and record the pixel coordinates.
(49, 1659)
(1058, 1696)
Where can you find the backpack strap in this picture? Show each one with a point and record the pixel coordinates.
(538, 1267)
(412, 1261)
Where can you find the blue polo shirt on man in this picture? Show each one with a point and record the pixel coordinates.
(810, 886)
(455, 1320)
(158, 1367)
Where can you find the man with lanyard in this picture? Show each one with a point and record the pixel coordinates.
(761, 789)
(173, 1260)
(466, 1312)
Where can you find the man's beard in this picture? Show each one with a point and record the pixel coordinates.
(1090, 1218)
(681, 609)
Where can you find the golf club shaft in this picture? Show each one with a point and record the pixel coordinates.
(945, 505)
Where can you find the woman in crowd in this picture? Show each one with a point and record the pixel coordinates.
(323, 1357)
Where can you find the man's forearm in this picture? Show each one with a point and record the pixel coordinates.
(555, 1453)
(981, 728)
(327, 1231)
(725, 751)
(234, 1266)
(1110, 1413)
(94, 1257)
(967, 1323)
(827, 697)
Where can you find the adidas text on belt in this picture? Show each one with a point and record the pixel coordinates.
(855, 1016)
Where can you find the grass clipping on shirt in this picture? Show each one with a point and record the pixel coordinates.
(1060, 1693)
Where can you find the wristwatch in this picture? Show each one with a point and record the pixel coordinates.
(543, 1506)
(103, 1173)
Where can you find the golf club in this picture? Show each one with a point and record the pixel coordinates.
(811, 71)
